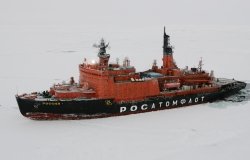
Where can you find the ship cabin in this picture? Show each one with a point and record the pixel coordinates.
(121, 82)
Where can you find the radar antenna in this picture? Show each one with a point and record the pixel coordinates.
(103, 56)
(102, 49)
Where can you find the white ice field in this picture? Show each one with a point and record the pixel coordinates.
(34, 57)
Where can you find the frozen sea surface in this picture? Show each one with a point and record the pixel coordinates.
(34, 57)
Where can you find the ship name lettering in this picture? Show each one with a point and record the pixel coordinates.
(196, 100)
(190, 101)
(175, 102)
(160, 103)
(183, 101)
(133, 108)
(144, 107)
(123, 109)
(153, 106)
(167, 103)
(202, 98)
(51, 103)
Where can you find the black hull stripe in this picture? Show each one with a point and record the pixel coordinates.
(86, 109)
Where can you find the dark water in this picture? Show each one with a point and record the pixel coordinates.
(243, 95)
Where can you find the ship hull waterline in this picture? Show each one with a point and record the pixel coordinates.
(100, 108)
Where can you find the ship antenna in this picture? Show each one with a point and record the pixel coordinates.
(164, 33)
(102, 47)
(167, 48)
(200, 64)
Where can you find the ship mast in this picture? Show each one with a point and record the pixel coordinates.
(167, 49)
(168, 61)
(200, 65)
(103, 56)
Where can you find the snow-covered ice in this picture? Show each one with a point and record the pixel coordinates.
(34, 57)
